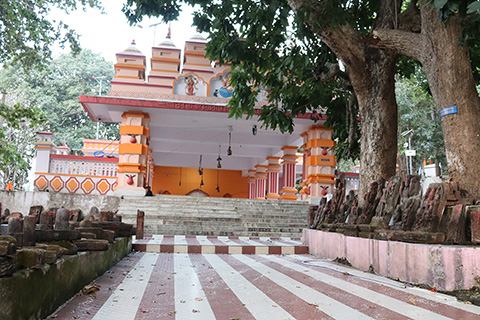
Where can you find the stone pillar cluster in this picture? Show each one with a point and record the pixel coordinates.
(252, 184)
(133, 152)
(273, 170)
(289, 158)
(319, 161)
(260, 181)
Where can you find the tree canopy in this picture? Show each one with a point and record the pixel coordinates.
(55, 90)
(27, 33)
(17, 134)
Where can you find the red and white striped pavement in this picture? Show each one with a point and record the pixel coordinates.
(238, 286)
(220, 245)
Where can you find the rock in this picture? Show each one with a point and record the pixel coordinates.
(95, 213)
(108, 235)
(29, 224)
(372, 198)
(91, 245)
(87, 235)
(311, 215)
(76, 215)
(431, 209)
(59, 250)
(338, 198)
(54, 235)
(47, 219)
(15, 229)
(388, 203)
(36, 211)
(8, 247)
(50, 257)
(69, 246)
(5, 214)
(473, 214)
(61, 219)
(410, 236)
(456, 231)
(30, 257)
(106, 216)
(410, 198)
(8, 266)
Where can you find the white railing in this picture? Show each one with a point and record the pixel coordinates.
(83, 167)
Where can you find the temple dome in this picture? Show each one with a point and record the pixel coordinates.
(198, 37)
(132, 50)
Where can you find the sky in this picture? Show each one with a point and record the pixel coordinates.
(110, 33)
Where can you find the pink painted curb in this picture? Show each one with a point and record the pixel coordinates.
(443, 267)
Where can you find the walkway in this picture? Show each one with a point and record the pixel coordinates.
(239, 286)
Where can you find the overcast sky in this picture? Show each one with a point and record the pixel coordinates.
(110, 33)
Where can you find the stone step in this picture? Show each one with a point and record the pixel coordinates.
(216, 216)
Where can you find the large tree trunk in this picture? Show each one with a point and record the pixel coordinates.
(371, 71)
(375, 90)
(449, 73)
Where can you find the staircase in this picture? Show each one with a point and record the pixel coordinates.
(183, 215)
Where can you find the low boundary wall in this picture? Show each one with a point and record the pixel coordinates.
(36, 293)
(443, 267)
(21, 201)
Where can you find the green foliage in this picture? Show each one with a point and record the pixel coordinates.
(17, 134)
(416, 110)
(26, 33)
(55, 90)
(270, 47)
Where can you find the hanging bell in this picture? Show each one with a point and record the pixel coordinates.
(229, 151)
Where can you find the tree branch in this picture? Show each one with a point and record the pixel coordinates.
(409, 44)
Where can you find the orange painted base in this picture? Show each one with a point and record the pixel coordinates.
(288, 197)
(272, 196)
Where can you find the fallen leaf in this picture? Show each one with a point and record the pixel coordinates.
(91, 288)
(198, 299)
(412, 301)
(195, 310)
(171, 313)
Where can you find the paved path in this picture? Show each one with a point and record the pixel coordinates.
(272, 287)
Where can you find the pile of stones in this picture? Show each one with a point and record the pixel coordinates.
(396, 210)
(42, 237)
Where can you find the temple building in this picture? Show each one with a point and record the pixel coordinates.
(176, 135)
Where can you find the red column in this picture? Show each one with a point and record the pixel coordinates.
(289, 192)
(272, 182)
(261, 181)
(252, 185)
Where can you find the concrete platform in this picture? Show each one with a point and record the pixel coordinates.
(225, 287)
(220, 245)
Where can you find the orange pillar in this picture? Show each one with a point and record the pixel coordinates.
(289, 192)
(133, 152)
(252, 184)
(261, 181)
(272, 178)
(321, 161)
